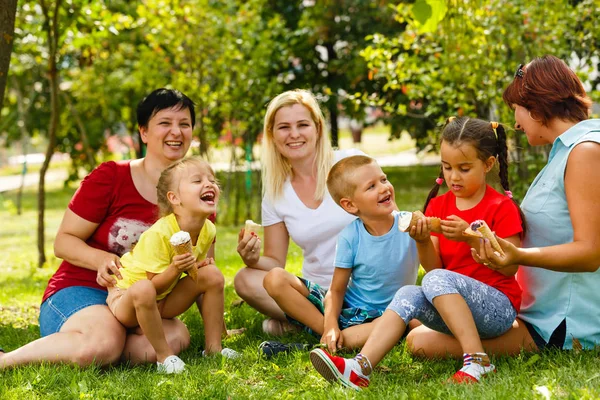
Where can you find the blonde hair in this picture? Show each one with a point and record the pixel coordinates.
(170, 178)
(340, 182)
(276, 169)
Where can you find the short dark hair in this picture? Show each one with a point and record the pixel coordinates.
(549, 89)
(161, 99)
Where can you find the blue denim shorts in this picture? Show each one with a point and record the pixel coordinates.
(59, 307)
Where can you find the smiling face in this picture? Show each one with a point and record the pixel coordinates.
(464, 171)
(197, 192)
(168, 134)
(374, 195)
(295, 133)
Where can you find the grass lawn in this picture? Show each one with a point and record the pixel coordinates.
(548, 375)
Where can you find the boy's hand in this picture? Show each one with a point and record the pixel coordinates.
(183, 262)
(421, 231)
(453, 228)
(333, 339)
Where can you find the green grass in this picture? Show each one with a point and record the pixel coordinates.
(565, 375)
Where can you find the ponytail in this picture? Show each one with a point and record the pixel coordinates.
(435, 189)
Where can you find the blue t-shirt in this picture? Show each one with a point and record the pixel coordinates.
(380, 264)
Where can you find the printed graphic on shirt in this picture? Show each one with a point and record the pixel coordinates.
(124, 234)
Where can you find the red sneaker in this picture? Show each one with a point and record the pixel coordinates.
(333, 368)
(472, 373)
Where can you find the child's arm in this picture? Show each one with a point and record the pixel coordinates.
(427, 245)
(166, 278)
(334, 299)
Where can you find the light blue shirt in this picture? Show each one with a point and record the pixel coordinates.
(550, 297)
(380, 264)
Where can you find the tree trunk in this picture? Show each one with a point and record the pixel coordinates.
(51, 26)
(333, 115)
(8, 12)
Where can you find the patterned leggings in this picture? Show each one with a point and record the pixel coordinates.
(492, 311)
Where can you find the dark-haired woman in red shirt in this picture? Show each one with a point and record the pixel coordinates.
(113, 206)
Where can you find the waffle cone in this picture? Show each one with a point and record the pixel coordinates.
(487, 233)
(187, 248)
(436, 224)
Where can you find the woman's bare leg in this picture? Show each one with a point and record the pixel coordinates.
(248, 285)
(427, 343)
(91, 335)
(138, 349)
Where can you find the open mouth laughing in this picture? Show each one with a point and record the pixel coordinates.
(208, 197)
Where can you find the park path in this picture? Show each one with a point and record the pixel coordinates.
(401, 159)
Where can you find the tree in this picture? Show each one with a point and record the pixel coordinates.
(8, 11)
(459, 61)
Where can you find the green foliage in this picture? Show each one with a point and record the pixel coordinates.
(460, 66)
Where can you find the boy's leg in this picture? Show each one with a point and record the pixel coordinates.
(210, 283)
(138, 306)
(291, 294)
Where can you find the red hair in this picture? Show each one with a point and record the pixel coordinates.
(549, 89)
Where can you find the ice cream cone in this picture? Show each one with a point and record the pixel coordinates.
(480, 228)
(436, 224)
(182, 244)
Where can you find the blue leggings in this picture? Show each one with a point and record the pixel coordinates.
(492, 311)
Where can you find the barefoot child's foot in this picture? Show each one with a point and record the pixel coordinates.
(475, 367)
(349, 372)
(171, 365)
(274, 327)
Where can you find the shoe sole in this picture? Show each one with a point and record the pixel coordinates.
(328, 370)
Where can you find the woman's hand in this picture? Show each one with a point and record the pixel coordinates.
(453, 228)
(487, 256)
(332, 338)
(421, 231)
(183, 262)
(249, 248)
(108, 270)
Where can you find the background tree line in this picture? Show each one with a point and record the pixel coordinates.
(79, 67)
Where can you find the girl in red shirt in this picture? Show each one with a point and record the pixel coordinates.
(458, 296)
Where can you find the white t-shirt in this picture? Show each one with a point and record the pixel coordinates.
(315, 231)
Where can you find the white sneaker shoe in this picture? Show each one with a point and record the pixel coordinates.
(171, 365)
(225, 352)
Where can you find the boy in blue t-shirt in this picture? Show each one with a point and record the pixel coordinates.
(373, 258)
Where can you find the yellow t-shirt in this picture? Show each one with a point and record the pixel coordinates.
(153, 252)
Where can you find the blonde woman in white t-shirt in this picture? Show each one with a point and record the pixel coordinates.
(297, 156)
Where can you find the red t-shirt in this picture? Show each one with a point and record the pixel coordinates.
(108, 197)
(502, 216)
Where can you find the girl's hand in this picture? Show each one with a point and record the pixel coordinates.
(205, 262)
(453, 228)
(249, 248)
(487, 256)
(333, 339)
(108, 270)
(421, 231)
(183, 262)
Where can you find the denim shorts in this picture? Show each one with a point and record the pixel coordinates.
(59, 307)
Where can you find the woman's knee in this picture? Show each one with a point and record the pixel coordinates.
(177, 334)
(246, 283)
(275, 280)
